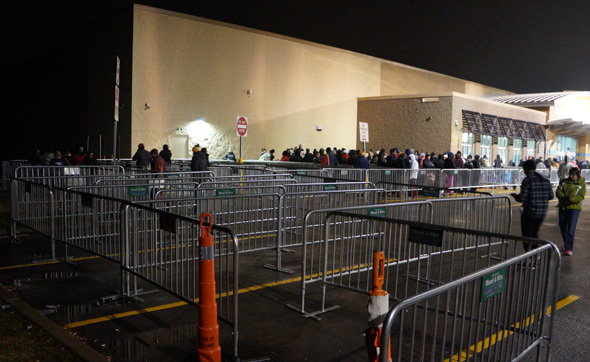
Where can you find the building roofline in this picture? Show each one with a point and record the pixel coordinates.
(305, 42)
(452, 94)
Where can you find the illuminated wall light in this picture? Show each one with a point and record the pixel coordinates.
(199, 129)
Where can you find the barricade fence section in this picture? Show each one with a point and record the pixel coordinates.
(254, 218)
(210, 192)
(455, 213)
(147, 190)
(497, 313)
(409, 192)
(8, 168)
(154, 245)
(64, 176)
(491, 214)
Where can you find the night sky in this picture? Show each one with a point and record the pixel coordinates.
(519, 46)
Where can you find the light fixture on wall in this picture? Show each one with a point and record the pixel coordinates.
(428, 118)
(147, 106)
(249, 92)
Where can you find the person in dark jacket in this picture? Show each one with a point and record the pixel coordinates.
(449, 163)
(439, 162)
(142, 157)
(427, 163)
(166, 155)
(361, 161)
(498, 163)
(199, 160)
(35, 159)
(459, 163)
(399, 161)
(90, 160)
(230, 156)
(308, 156)
(57, 160)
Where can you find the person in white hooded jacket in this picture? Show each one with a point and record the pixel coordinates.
(414, 168)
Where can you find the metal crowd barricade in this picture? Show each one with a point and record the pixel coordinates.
(455, 213)
(64, 176)
(209, 192)
(154, 245)
(215, 184)
(220, 170)
(135, 191)
(295, 205)
(498, 313)
(254, 218)
(180, 176)
(8, 168)
(302, 175)
(260, 177)
(584, 173)
(354, 174)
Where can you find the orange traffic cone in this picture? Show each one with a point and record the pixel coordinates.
(209, 349)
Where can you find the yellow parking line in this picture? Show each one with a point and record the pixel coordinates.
(46, 262)
(179, 304)
(490, 341)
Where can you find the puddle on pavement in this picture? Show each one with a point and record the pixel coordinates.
(20, 282)
(147, 344)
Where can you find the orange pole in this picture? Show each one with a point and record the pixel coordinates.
(373, 334)
(209, 349)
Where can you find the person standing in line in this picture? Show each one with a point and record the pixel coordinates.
(142, 156)
(199, 160)
(158, 163)
(79, 156)
(498, 163)
(166, 154)
(570, 193)
(535, 193)
(230, 155)
(564, 169)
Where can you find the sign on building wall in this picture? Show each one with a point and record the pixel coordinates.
(242, 126)
(364, 131)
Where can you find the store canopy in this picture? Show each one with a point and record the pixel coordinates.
(569, 127)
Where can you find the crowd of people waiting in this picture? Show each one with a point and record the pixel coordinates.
(409, 159)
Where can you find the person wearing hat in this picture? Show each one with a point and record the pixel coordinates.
(199, 160)
(142, 157)
(229, 155)
(361, 161)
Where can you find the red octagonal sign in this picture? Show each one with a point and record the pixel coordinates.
(242, 126)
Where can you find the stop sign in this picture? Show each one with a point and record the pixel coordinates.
(242, 126)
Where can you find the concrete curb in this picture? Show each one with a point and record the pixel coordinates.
(74, 345)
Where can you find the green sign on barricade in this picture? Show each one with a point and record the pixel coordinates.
(225, 192)
(377, 211)
(430, 192)
(137, 191)
(387, 172)
(330, 187)
(301, 172)
(171, 175)
(492, 284)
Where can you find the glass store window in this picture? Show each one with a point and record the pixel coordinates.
(530, 149)
(503, 149)
(566, 146)
(467, 144)
(486, 147)
(516, 150)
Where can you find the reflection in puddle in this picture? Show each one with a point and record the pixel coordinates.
(143, 346)
(45, 276)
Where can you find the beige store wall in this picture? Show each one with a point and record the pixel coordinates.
(189, 70)
(195, 73)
